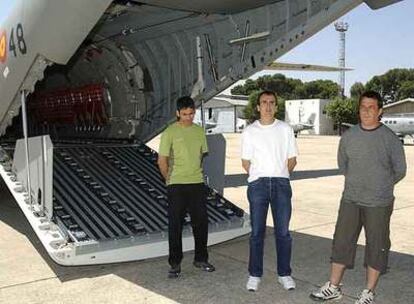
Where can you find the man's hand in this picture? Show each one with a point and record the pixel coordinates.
(246, 165)
(291, 164)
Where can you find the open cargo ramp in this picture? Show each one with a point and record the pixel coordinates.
(109, 205)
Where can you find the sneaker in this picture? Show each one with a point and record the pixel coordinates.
(206, 266)
(327, 292)
(253, 283)
(287, 282)
(366, 297)
(174, 272)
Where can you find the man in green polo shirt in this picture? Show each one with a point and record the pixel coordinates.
(180, 154)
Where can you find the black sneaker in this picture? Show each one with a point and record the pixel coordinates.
(206, 266)
(174, 272)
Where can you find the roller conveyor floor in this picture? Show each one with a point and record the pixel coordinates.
(106, 192)
(110, 205)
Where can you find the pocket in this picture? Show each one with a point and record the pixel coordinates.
(283, 185)
(283, 181)
(254, 183)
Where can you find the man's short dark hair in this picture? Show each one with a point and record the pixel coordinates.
(265, 92)
(373, 95)
(185, 102)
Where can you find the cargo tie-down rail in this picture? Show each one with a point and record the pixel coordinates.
(110, 204)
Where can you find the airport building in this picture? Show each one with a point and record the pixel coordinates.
(402, 106)
(224, 114)
(310, 111)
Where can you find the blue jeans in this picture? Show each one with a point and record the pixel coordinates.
(278, 193)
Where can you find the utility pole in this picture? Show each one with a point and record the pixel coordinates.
(341, 28)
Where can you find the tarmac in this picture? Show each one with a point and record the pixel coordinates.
(28, 275)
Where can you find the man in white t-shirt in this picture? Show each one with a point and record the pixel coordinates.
(269, 156)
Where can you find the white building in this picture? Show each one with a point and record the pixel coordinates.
(310, 111)
(223, 114)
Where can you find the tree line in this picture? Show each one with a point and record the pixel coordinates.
(394, 85)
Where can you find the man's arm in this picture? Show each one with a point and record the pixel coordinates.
(399, 164)
(164, 153)
(163, 165)
(341, 157)
(246, 165)
(292, 151)
(204, 149)
(291, 164)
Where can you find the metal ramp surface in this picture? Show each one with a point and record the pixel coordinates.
(110, 205)
(109, 192)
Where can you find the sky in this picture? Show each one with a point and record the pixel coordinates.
(4, 9)
(376, 41)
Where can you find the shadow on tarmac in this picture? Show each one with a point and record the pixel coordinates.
(237, 180)
(310, 263)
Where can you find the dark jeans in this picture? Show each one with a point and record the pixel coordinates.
(278, 193)
(183, 198)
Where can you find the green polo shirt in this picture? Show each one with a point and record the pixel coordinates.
(184, 146)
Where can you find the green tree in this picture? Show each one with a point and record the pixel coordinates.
(406, 90)
(289, 88)
(284, 87)
(251, 113)
(357, 89)
(323, 89)
(343, 111)
(390, 83)
(247, 88)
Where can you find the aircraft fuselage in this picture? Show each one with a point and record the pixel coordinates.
(401, 124)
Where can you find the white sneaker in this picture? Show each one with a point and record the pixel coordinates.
(327, 292)
(287, 282)
(253, 283)
(366, 297)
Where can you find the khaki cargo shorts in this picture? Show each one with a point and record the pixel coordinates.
(376, 223)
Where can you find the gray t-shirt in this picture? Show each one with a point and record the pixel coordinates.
(373, 161)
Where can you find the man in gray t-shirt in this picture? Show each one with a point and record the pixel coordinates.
(372, 159)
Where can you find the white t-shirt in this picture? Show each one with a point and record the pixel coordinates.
(268, 148)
